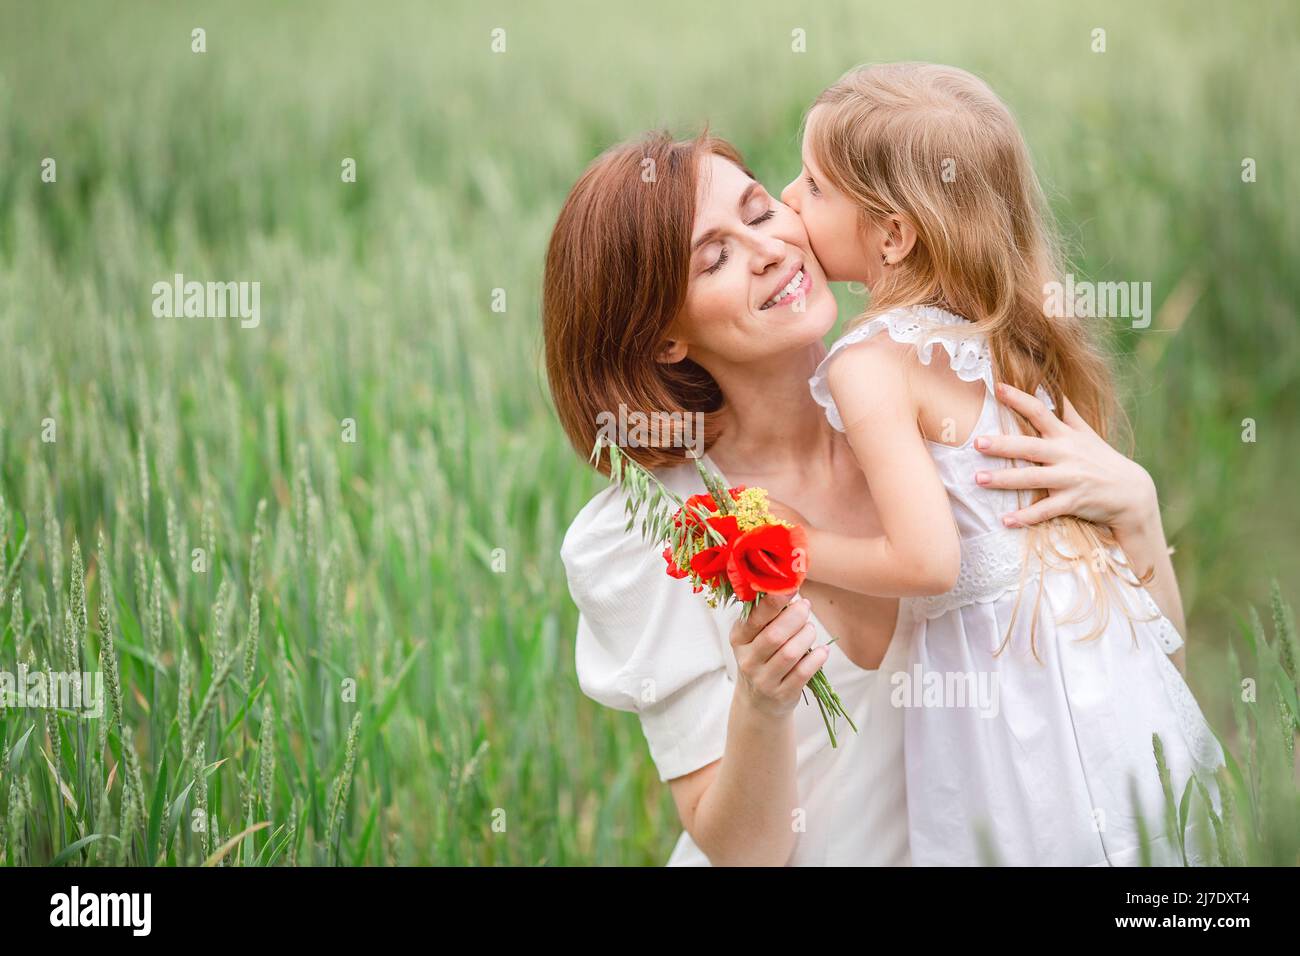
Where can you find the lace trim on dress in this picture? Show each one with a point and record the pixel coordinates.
(922, 326)
(1167, 635)
(991, 566)
(1201, 742)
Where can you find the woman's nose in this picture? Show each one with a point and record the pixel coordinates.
(769, 249)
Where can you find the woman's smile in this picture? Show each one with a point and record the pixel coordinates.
(797, 285)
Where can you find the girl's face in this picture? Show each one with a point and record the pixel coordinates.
(848, 251)
(756, 290)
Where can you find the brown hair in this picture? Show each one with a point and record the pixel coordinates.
(617, 270)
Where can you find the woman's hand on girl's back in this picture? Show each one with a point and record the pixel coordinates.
(1082, 474)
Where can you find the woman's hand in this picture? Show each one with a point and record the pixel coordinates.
(772, 653)
(1082, 474)
(737, 809)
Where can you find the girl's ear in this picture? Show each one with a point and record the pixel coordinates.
(900, 237)
(671, 351)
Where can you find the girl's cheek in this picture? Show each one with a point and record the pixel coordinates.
(834, 232)
(816, 230)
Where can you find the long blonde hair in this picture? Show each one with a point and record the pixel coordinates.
(935, 146)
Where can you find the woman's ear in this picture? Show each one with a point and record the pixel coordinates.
(671, 351)
(900, 237)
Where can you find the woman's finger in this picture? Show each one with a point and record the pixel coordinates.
(1052, 506)
(768, 607)
(1024, 447)
(1034, 411)
(1031, 476)
(785, 626)
(1072, 418)
(789, 654)
(803, 671)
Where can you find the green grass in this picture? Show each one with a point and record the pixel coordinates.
(473, 743)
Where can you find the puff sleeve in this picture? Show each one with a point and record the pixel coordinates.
(646, 643)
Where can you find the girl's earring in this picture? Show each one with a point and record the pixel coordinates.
(884, 260)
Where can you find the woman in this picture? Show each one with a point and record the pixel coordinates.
(664, 295)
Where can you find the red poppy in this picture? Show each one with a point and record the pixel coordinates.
(705, 502)
(767, 560)
(673, 570)
(711, 563)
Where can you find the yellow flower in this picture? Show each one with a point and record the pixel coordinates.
(752, 511)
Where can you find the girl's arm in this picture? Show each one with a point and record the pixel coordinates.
(1084, 476)
(919, 552)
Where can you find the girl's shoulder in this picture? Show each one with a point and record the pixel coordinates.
(918, 329)
(922, 328)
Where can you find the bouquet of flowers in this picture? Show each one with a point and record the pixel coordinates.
(726, 541)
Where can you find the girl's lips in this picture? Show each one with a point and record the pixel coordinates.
(801, 290)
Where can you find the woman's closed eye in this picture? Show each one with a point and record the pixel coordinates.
(812, 186)
(723, 255)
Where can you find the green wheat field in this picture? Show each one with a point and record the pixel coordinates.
(373, 662)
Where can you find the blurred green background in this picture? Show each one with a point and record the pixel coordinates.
(474, 743)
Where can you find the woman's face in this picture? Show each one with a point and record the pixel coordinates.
(756, 290)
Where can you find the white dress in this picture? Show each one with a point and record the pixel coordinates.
(647, 644)
(1036, 761)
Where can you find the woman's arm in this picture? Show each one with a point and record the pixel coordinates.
(919, 552)
(646, 644)
(738, 809)
(1084, 476)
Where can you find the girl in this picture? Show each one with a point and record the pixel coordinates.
(1038, 669)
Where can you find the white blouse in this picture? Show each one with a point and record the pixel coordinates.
(647, 644)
